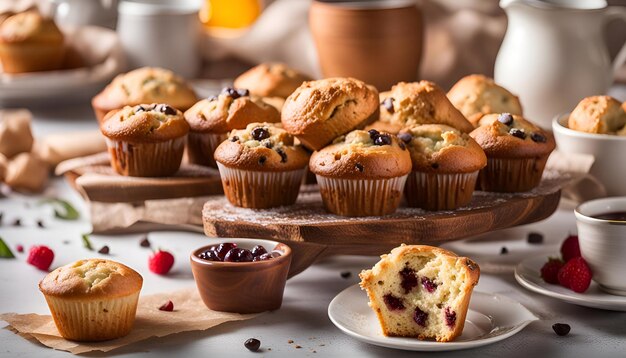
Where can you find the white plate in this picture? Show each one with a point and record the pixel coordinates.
(491, 318)
(527, 273)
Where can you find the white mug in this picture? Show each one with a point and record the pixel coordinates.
(85, 12)
(162, 34)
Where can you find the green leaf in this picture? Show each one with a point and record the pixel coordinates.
(62, 209)
(87, 243)
(5, 252)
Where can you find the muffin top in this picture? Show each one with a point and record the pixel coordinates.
(91, 278)
(261, 147)
(232, 109)
(363, 155)
(438, 148)
(421, 102)
(146, 85)
(511, 136)
(271, 80)
(145, 123)
(598, 114)
(31, 27)
(477, 95)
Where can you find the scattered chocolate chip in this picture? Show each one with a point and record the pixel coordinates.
(538, 137)
(290, 341)
(283, 155)
(164, 108)
(234, 93)
(402, 145)
(17, 222)
(435, 165)
(260, 133)
(504, 250)
(104, 250)
(534, 238)
(234, 139)
(506, 118)
(212, 98)
(406, 137)
(346, 274)
(252, 344)
(262, 160)
(167, 306)
(373, 133)
(40, 224)
(140, 108)
(297, 346)
(144, 242)
(388, 104)
(561, 329)
(267, 144)
(359, 167)
(382, 139)
(519, 133)
(243, 92)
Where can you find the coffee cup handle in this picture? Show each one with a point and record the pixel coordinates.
(617, 13)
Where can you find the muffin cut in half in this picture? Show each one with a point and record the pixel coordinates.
(421, 291)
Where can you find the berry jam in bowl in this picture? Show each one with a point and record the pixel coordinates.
(241, 275)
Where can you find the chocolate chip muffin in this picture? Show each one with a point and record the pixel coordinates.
(261, 166)
(30, 42)
(271, 80)
(423, 102)
(362, 173)
(598, 114)
(445, 165)
(211, 119)
(144, 85)
(517, 152)
(320, 111)
(147, 140)
(477, 95)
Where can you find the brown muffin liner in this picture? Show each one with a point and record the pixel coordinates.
(361, 197)
(512, 175)
(432, 191)
(146, 159)
(201, 146)
(94, 319)
(260, 190)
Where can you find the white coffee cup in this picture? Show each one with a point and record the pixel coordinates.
(603, 242)
(162, 33)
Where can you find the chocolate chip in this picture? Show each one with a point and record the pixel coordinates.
(359, 167)
(283, 155)
(382, 139)
(519, 133)
(267, 144)
(164, 108)
(406, 137)
(346, 274)
(144, 242)
(104, 250)
(388, 104)
(140, 109)
(260, 133)
(402, 145)
(506, 118)
(233, 93)
(262, 160)
(373, 133)
(17, 222)
(504, 250)
(538, 137)
(234, 138)
(534, 238)
(561, 329)
(252, 344)
(41, 224)
(212, 98)
(435, 165)
(242, 92)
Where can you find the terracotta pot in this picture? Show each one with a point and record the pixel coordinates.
(379, 42)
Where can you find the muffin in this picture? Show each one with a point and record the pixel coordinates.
(477, 95)
(423, 102)
(320, 111)
(92, 300)
(598, 114)
(29, 42)
(144, 85)
(517, 152)
(147, 140)
(421, 291)
(211, 119)
(271, 80)
(445, 166)
(362, 173)
(261, 166)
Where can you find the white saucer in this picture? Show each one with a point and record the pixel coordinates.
(491, 318)
(527, 273)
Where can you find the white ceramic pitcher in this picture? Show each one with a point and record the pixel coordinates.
(554, 54)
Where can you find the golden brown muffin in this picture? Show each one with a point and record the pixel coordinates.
(598, 114)
(421, 102)
(261, 166)
(477, 95)
(320, 111)
(146, 140)
(421, 291)
(445, 166)
(29, 42)
(271, 80)
(211, 119)
(517, 152)
(144, 85)
(92, 300)
(362, 173)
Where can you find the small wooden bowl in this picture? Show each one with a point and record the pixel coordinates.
(242, 287)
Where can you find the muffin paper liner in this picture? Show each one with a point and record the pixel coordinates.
(432, 191)
(511, 175)
(361, 197)
(146, 159)
(201, 146)
(260, 190)
(94, 319)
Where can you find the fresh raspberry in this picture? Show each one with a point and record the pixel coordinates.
(41, 257)
(550, 270)
(160, 262)
(167, 306)
(575, 275)
(570, 248)
(19, 248)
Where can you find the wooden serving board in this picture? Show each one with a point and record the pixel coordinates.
(313, 233)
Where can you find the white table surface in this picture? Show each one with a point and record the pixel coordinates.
(303, 316)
